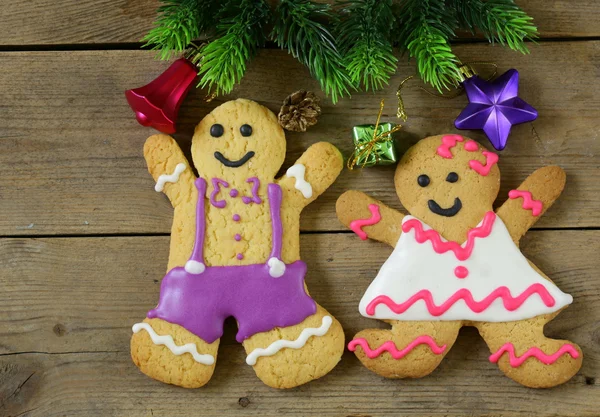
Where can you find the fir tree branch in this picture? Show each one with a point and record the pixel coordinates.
(363, 35)
(426, 26)
(179, 23)
(499, 20)
(296, 29)
(222, 62)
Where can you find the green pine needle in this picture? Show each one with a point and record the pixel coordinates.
(297, 29)
(363, 33)
(499, 20)
(426, 26)
(222, 62)
(179, 23)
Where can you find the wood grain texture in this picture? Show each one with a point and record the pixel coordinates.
(69, 303)
(48, 22)
(71, 160)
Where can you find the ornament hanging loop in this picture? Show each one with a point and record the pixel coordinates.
(363, 151)
(466, 71)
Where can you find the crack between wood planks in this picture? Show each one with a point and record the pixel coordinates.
(135, 46)
(60, 353)
(302, 232)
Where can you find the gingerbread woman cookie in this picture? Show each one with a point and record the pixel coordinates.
(455, 263)
(235, 251)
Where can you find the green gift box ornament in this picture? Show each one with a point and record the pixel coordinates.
(374, 144)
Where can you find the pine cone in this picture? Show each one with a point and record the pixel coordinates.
(300, 110)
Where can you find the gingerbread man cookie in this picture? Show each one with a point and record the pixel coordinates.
(455, 263)
(235, 251)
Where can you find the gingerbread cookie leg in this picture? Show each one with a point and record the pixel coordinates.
(528, 357)
(291, 356)
(169, 353)
(409, 349)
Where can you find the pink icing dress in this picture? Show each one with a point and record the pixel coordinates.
(487, 278)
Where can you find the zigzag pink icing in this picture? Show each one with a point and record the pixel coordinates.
(390, 347)
(535, 352)
(357, 225)
(448, 141)
(461, 253)
(510, 303)
(529, 203)
(490, 159)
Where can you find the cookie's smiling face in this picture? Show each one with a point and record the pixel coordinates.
(238, 140)
(442, 189)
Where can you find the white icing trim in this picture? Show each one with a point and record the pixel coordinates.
(494, 262)
(276, 346)
(276, 267)
(194, 267)
(168, 341)
(297, 171)
(164, 178)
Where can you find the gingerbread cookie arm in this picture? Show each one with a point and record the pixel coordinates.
(169, 167)
(368, 217)
(534, 196)
(312, 174)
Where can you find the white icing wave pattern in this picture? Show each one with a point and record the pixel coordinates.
(276, 346)
(164, 178)
(168, 341)
(297, 171)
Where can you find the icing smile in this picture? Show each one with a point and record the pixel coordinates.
(233, 164)
(446, 212)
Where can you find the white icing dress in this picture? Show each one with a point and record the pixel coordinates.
(484, 279)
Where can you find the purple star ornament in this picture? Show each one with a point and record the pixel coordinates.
(494, 107)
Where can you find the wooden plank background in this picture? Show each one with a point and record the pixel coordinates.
(84, 238)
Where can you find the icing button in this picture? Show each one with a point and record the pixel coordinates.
(233, 193)
(236, 218)
(240, 256)
(461, 272)
(237, 237)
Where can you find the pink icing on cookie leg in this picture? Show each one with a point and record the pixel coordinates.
(490, 160)
(448, 141)
(534, 352)
(529, 203)
(390, 347)
(357, 225)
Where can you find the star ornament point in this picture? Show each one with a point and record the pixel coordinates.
(494, 107)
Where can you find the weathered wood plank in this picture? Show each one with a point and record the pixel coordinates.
(71, 158)
(68, 304)
(46, 22)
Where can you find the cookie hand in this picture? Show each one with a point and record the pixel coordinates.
(354, 205)
(312, 174)
(534, 196)
(169, 167)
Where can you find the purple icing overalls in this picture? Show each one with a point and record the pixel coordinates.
(200, 302)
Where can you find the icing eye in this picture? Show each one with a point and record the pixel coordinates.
(452, 177)
(246, 130)
(216, 130)
(423, 180)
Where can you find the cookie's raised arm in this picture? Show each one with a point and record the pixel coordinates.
(312, 173)
(534, 196)
(169, 167)
(371, 218)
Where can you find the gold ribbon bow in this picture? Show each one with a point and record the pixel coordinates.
(364, 150)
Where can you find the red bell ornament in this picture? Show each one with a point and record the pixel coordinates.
(157, 104)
